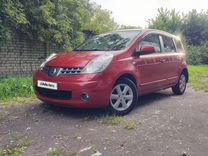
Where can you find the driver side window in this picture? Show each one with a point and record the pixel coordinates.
(151, 39)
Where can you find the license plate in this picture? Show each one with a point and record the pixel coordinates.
(48, 85)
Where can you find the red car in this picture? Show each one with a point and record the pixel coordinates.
(113, 70)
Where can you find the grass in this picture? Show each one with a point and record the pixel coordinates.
(198, 77)
(131, 126)
(16, 150)
(25, 142)
(113, 120)
(55, 151)
(77, 136)
(119, 120)
(18, 100)
(16, 90)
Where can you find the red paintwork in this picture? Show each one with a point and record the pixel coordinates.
(152, 72)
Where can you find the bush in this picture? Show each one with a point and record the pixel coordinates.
(60, 22)
(198, 54)
(16, 87)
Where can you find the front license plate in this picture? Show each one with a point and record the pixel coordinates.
(48, 85)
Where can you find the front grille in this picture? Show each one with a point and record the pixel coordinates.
(54, 94)
(69, 71)
(55, 71)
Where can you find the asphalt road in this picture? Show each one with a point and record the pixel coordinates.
(164, 124)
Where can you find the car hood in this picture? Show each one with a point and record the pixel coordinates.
(73, 59)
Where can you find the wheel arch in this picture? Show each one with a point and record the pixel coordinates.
(132, 82)
(129, 76)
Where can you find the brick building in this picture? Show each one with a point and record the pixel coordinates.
(21, 57)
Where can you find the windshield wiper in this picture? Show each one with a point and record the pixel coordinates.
(89, 50)
(120, 44)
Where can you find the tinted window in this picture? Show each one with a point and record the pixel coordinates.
(178, 45)
(151, 39)
(110, 41)
(168, 44)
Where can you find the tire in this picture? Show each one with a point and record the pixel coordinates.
(180, 87)
(123, 97)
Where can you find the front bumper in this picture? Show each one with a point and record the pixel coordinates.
(95, 85)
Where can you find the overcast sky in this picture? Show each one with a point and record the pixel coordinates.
(137, 12)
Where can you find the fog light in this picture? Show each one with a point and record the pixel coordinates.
(85, 97)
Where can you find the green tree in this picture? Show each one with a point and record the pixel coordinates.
(100, 21)
(167, 20)
(198, 54)
(129, 27)
(55, 21)
(195, 27)
(11, 16)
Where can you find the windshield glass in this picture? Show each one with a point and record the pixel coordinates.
(109, 42)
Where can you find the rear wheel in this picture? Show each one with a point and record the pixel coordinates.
(180, 87)
(123, 97)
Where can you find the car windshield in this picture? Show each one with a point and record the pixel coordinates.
(109, 42)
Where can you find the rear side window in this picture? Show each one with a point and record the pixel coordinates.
(178, 45)
(151, 39)
(168, 44)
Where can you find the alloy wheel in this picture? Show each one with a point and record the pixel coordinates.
(121, 97)
(182, 83)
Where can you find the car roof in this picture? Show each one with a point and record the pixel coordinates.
(148, 31)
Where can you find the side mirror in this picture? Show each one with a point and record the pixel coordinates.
(147, 49)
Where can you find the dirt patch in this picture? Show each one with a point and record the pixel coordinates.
(161, 124)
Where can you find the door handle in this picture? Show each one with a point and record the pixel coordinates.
(135, 63)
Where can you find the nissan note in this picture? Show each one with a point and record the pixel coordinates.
(113, 70)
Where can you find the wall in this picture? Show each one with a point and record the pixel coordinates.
(21, 56)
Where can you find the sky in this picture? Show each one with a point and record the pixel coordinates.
(138, 12)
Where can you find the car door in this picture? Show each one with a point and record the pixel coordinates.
(170, 59)
(149, 65)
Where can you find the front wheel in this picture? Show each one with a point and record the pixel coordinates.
(180, 87)
(123, 97)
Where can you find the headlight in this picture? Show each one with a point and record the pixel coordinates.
(98, 64)
(50, 57)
